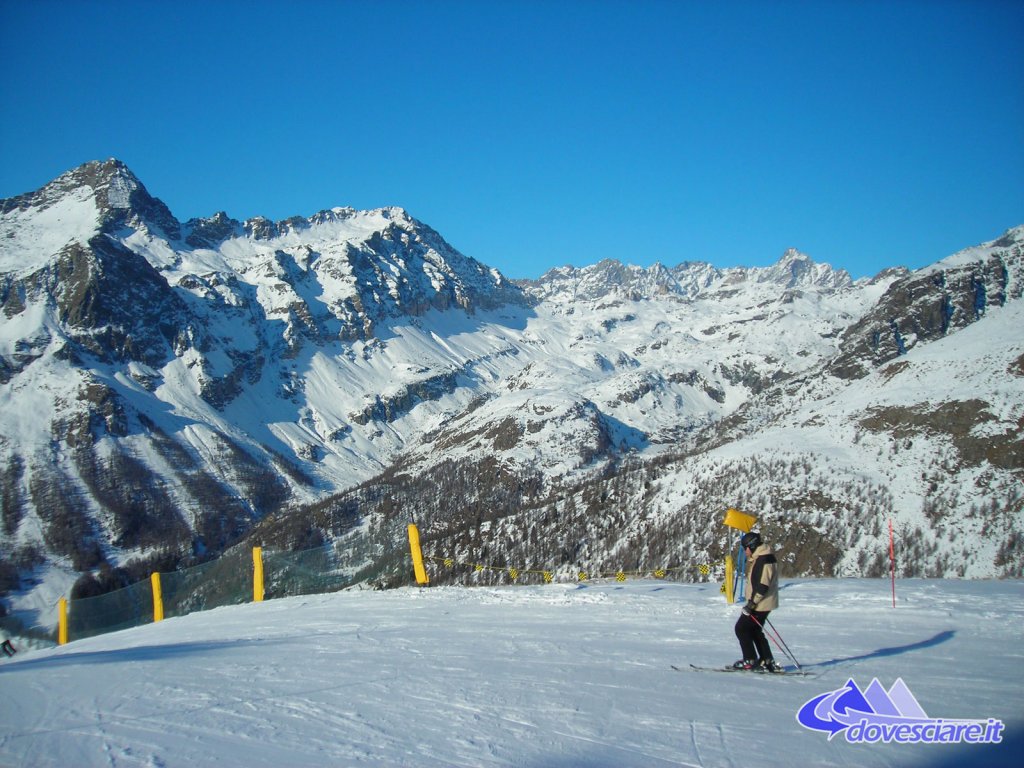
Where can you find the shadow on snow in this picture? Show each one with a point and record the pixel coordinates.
(931, 642)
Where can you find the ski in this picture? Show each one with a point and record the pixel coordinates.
(790, 673)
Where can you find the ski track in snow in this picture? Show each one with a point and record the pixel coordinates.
(555, 675)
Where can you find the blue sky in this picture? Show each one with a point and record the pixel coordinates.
(531, 135)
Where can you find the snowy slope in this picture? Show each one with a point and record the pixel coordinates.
(561, 674)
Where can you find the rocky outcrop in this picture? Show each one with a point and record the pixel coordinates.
(929, 304)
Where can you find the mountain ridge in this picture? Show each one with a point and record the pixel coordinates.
(170, 389)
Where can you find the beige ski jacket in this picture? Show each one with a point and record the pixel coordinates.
(763, 579)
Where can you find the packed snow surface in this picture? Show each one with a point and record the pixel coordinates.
(553, 675)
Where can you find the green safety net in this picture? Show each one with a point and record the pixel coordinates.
(110, 612)
(227, 581)
(312, 571)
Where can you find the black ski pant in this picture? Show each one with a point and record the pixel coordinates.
(750, 633)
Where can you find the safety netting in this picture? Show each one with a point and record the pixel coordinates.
(311, 571)
(226, 581)
(121, 609)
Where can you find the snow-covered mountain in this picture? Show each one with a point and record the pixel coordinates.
(167, 386)
(826, 411)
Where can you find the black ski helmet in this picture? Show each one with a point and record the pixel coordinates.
(751, 540)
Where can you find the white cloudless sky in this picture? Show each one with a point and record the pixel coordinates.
(533, 134)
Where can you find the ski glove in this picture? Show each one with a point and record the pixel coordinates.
(749, 608)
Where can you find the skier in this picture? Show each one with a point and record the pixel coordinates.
(8, 647)
(762, 597)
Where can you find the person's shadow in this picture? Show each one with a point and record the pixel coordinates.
(931, 642)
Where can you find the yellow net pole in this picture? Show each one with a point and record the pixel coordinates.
(730, 571)
(417, 555)
(62, 621)
(257, 574)
(158, 598)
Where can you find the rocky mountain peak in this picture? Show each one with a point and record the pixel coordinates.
(210, 232)
(124, 201)
(111, 177)
(796, 269)
(1013, 236)
(120, 198)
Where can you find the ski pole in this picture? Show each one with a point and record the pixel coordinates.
(777, 639)
(775, 632)
(764, 629)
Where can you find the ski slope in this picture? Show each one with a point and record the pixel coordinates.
(533, 676)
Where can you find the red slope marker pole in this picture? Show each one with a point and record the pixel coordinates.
(892, 563)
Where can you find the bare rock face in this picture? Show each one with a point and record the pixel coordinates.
(930, 304)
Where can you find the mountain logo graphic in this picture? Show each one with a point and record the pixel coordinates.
(874, 714)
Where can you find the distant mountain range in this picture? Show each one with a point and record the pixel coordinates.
(170, 389)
